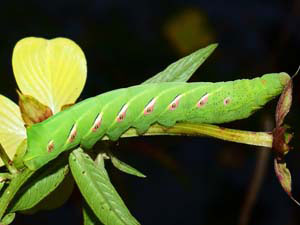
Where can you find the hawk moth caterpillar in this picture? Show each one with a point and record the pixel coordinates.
(112, 113)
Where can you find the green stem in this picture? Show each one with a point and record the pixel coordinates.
(264, 139)
(12, 189)
(6, 160)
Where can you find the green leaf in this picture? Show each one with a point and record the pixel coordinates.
(56, 198)
(14, 186)
(125, 167)
(89, 217)
(8, 219)
(40, 185)
(183, 69)
(95, 186)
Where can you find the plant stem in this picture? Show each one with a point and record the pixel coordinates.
(6, 160)
(12, 189)
(263, 139)
(254, 186)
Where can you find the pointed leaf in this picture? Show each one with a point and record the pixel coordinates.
(284, 177)
(32, 110)
(284, 103)
(96, 188)
(52, 71)
(89, 217)
(56, 198)
(40, 185)
(183, 69)
(8, 219)
(12, 130)
(125, 167)
(64, 107)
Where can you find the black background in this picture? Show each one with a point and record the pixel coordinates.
(189, 180)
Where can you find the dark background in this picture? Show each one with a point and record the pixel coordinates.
(189, 180)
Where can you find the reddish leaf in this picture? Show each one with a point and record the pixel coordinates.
(32, 110)
(284, 176)
(64, 107)
(281, 139)
(284, 103)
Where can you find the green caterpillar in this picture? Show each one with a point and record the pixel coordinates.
(140, 106)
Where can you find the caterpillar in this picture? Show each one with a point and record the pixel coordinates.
(112, 113)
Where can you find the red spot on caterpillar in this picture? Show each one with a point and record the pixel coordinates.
(97, 123)
(227, 101)
(150, 107)
(72, 134)
(174, 104)
(263, 82)
(202, 101)
(122, 114)
(50, 146)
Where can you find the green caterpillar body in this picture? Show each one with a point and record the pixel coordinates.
(140, 106)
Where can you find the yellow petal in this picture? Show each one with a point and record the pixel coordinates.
(52, 71)
(12, 130)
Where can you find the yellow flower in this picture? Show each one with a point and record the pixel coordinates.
(52, 71)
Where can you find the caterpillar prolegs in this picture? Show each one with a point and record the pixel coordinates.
(140, 106)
